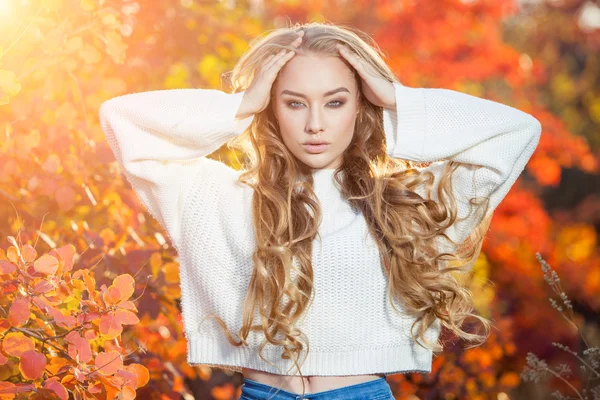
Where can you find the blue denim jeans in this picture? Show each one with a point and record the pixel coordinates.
(377, 389)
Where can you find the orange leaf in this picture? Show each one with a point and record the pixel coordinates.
(546, 170)
(109, 362)
(55, 364)
(510, 379)
(128, 305)
(171, 271)
(15, 344)
(7, 390)
(141, 373)
(111, 295)
(223, 392)
(126, 285)
(126, 317)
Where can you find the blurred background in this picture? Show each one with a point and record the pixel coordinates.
(67, 210)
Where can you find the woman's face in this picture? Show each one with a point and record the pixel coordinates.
(316, 99)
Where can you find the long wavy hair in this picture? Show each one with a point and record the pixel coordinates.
(286, 211)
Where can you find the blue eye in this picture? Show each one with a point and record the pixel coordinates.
(339, 103)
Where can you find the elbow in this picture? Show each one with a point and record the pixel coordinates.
(537, 131)
(537, 125)
(534, 127)
(106, 115)
(103, 114)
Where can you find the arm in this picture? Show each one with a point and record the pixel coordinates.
(437, 125)
(160, 139)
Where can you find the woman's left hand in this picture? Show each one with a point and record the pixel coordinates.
(377, 90)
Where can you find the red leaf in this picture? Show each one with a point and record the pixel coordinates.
(28, 253)
(126, 317)
(46, 264)
(6, 267)
(57, 387)
(19, 312)
(110, 325)
(79, 348)
(32, 364)
(67, 253)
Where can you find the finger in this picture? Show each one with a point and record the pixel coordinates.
(277, 64)
(357, 62)
(350, 56)
(266, 61)
(273, 60)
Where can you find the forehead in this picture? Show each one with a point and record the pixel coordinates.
(314, 74)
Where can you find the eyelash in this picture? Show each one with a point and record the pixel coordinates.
(333, 101)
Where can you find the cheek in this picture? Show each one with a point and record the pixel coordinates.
(290, 136)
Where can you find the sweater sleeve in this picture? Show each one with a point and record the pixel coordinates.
(438, 125)
(161, 139)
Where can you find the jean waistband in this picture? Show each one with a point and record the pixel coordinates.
(377, 388)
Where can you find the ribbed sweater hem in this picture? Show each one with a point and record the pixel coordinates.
(387, 359)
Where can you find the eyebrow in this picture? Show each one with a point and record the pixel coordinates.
(331, 92)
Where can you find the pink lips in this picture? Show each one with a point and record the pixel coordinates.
(316, 148)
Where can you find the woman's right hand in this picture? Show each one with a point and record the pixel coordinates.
(257, 96)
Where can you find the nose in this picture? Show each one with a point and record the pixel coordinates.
(315, 121)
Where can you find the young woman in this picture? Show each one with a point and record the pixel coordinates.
(357, 199)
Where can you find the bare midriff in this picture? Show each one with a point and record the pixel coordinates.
(312, 384)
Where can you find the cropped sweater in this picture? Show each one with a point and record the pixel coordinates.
(161, 139)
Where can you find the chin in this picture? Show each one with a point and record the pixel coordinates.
(318, 164)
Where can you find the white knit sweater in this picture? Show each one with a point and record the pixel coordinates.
(160, 139)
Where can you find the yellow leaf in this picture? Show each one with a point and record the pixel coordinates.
(208, 65)
(87, 5)
(109, 19)
(155, 264)
(171, 272)
(9, 83)
(563, 87)
(202, 38)
(190, 23)
(595, 111)
(89, 54)
(74, 44)
(115, 47)
(224, 52)
(177, 76)
(578, 241)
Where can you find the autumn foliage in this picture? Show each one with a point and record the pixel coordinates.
(89, 301)
(61, 333)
